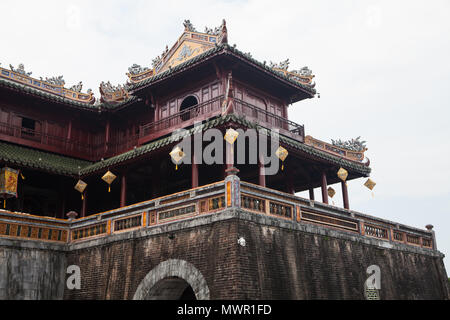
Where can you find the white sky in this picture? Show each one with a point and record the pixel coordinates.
(382, 68)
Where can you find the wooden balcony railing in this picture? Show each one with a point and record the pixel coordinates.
(206, 200)
(184, 118)
(269, 120)
(45, 141)
(213, 107)
(68, 147)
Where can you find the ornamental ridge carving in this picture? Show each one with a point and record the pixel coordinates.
(56, 81)
(352, 145)
(108, 88)
(188, 26)
(136, 69)
(20, 70)
(304, 72)
(283, 65)
(78, 87)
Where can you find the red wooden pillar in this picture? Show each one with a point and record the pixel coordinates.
(107, 130)
(311, 194)
(262, 172)
(84, 205)
(324, 188)
(194, 170)
(123, 191)
(69, 130)
(345, 195)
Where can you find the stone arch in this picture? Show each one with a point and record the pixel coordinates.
(170, 273)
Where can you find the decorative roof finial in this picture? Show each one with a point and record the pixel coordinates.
(78, 87)
(188, 26)
(224, 35)
(56, 81)
(20, 70)
(353, 145)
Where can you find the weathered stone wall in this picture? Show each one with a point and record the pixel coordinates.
(114, 268)
(281, 260)
(283, 264)
(31, 271)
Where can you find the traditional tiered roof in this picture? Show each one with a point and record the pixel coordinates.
(191, 48)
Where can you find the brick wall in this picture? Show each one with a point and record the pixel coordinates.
(278, 262)
(281, 260)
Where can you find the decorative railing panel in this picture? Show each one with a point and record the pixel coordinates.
(29, 232)
(211, 199)
(253, 203)
(89, 232)
(128, 223)
(376, 232)
(281, 210)
(329, 221)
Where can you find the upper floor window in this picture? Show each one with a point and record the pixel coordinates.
(28, 126)
(188, 103)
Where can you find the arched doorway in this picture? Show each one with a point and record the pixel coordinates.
(188, 103)
(173, 280)
(171, 289)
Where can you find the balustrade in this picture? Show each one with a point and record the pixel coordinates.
(211, 199)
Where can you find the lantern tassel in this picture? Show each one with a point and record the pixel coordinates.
(4, 204)
(22, 176)
(82, 197)
(282, 167)
(373, 195)
(176, 169)
(109, 189)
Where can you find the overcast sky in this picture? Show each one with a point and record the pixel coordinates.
(382, 68)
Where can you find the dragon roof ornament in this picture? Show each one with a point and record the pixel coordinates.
(20, 70)
(57, 81)
(188, 26)
(352, 150)
(113, 94)
(136, 69)
(352, 145)
(303, 76)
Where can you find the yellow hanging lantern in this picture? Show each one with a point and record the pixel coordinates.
(231, 137)
(109, 178)
(177, 156)
(8, 184)
(80, 187)
(331, 192)
(343, 174)
(370, 184)
(282, 154)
